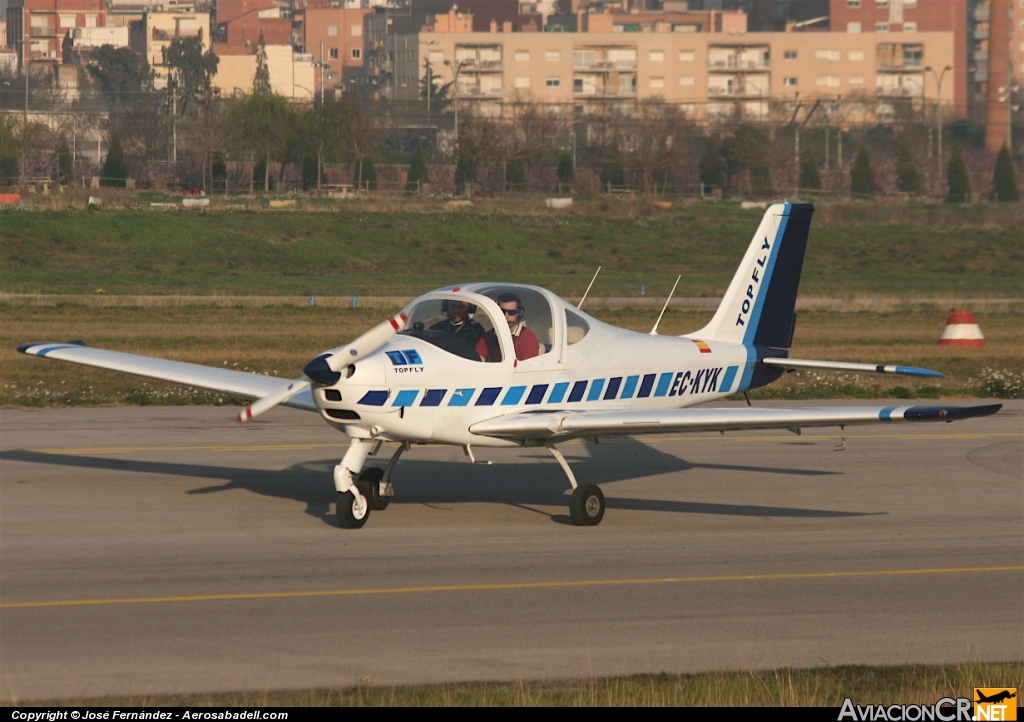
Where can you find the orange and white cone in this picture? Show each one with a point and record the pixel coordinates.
(962, 330)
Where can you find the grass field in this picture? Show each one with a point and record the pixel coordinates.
(279, 340)
(399, 247)
(825, 687)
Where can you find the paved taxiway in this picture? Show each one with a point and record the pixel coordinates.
(149, 550)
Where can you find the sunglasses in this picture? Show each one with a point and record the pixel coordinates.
(510, 311)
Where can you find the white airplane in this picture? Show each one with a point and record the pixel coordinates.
(510, 365)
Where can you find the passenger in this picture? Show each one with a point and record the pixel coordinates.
(523, 339)
(458, 322)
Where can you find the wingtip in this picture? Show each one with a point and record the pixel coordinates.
(915, 371)
(24, 348)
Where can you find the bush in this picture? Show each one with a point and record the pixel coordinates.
(115, 170)
(1004, 182)
(956, 177)
(8, 154)
(908, 180)
(862, 178)
(761, 181)
(614, 175)
(566, 170)
(810, 178)
(65, 163)
(711, 173)
(515, 175)
(418, 172)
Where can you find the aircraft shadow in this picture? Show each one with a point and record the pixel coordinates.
(537, 483)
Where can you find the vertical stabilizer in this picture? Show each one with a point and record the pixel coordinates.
(758, 308)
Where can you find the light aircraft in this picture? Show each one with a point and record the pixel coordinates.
(410, 380)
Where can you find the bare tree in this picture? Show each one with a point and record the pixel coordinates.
(363, 133)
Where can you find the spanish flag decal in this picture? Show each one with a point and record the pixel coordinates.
(704, 348)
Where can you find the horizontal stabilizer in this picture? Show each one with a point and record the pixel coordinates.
(210, 378)
(567, 424)
(793, 364)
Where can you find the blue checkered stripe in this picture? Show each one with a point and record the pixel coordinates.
(605, 389)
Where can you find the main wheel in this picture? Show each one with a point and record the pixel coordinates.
(352, 511)
(369, 486)
(586, 506)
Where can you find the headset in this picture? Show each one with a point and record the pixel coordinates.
(472, 307)
(508, 298)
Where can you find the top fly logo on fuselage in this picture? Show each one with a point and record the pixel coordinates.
(407, 361)
(755, 283)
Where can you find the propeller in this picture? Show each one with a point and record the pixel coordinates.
(326, 368)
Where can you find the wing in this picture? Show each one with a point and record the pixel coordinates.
(236, 383)
(567, 424)
(792, 364)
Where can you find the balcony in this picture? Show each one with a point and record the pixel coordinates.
(604, 66)
(908, 66)
(741, 91)
(44, 31)
(481, 66)
(901, 92)
(733, 64)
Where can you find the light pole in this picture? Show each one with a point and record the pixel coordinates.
(938, 92)
(321, 65)
(430, 77)
(456, 69)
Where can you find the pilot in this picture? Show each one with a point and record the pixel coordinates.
(523, 339)
(458, 322)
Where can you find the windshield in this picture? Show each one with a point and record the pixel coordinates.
(458, 327)
(528, 314)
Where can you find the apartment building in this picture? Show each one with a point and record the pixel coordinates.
(37, 28)
(340, 32)
(159, 28)
(711, 75)
(291, 73)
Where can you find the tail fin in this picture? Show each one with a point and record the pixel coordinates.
(757, 310)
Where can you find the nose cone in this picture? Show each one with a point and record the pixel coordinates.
(320, 372)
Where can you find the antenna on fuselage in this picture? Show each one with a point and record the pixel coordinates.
(578, 305)
(654, 331)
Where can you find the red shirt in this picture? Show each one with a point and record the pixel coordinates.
(525, 343)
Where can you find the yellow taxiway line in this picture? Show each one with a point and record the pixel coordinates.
(500, 587)
(641, 438)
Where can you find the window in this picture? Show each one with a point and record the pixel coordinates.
(431, 320)
(332, 53)
(686, 81)
(789, 55)
(356, 31)
(827, 81)
(910, 3)
(332, 31)
(657, 56)
(856, 55)
(881, 3)
(853, 3)
(553, 56)
(436, 56)
(856, 107)
(657, 82)
(910, 27)
(790, 82)
(856, 81)
(522, 82)
(67, 21)
(357, 53)
(90, 22)
(830, 55)
(553, 82)
(853, 27)
(576, 327)
(687, 56)
(522, 56)
(881, 27)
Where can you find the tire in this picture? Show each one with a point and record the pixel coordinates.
(350, 514)
(368, 484)
(586, 506)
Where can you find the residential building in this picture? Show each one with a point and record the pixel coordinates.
(291, 73)
(240, 23)
(1002, 41)
(339, 34)
(40, 27)
(159, 28)
(913, 16)
(876, 76)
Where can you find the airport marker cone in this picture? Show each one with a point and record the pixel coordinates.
(962, 330)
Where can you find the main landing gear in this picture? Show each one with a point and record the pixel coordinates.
(370, 491)
(586, 505)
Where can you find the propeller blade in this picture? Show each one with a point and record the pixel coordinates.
(326, 368)
(268, 402)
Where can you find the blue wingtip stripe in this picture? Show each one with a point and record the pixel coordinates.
(914, 371)
(886, 413)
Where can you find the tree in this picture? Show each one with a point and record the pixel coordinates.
(418, 172)
(207, 137)
(145, 133)
(115, 171)
(261, 125)
(810, 177)
(325, 130)
(566, 171)
(1004, 181)
(369, 175)
(65, 163)
(9, 168)
(121, 73)
(363, 134)
(908, 180)
(862, 178)
(711, 165)
(515, 175)
(191, 70)
(745, 151)
(761, 181)
(957, 179)
(261, 80)
(440, 95)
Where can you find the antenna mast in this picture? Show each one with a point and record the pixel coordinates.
(578, 305)
(654, 331)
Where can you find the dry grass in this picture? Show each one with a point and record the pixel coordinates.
(279, 340)
(824, 687)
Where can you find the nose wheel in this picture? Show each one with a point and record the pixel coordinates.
(586, 506)
(353, 510)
